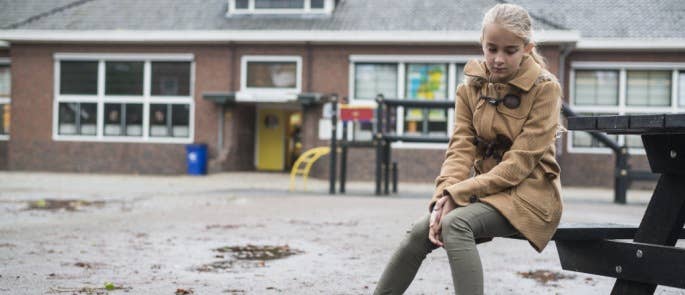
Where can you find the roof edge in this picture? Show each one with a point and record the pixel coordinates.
(281, 36)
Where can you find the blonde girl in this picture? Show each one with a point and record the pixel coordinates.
(506, 122)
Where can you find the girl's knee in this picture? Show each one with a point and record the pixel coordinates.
(419, 231)
(455, 223)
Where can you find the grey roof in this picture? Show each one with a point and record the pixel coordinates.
(593, 18)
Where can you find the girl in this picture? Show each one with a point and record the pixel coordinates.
(507, 118)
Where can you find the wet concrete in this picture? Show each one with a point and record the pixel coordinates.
(158, 235)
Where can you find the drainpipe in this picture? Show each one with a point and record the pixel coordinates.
(565, 51)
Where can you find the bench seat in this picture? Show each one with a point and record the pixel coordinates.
(594, 231)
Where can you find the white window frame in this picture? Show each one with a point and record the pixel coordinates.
(257, 94)
(327, 9)
(6, 99)
(402, 61)
(146, 99)
(621, 108)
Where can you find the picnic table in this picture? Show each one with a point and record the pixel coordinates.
(651, 258)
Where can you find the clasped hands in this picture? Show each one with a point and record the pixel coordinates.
(443, 206)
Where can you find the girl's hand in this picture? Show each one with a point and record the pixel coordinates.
(434, 226)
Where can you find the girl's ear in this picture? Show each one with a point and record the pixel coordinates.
(529, 48)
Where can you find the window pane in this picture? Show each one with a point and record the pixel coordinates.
(88, 118)
(681, 88)
(134, 120)
(67, 118)
(648, 88)
(113, 118)
(171, 78)
(373, 79)
(124, 78)
(78, 77)
(4, 119)
(596, 88)
(634, 141)
(85, 123)
(277, 4)
(241, 4)
(460, 74)
(180, 120)
(159, 120)
(317, 4)
(426, 82)
(272, 74)
(5, 82)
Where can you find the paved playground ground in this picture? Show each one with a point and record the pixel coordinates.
(244, 233)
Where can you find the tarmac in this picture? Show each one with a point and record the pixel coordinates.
(246, 233)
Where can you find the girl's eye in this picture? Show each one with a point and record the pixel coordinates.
(511, 51)
(493, 50)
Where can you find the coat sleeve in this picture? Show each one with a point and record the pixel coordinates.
(460, 151)
(537, 135)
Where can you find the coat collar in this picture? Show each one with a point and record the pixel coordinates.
(524, 78)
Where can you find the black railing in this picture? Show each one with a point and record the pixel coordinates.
(383, 137)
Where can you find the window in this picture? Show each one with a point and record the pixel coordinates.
(425, 82)
(411, 78)
(596, 88)
(124, 98)
(78, 78)
(648, 88)
(373, 79)
(77, 118)
(271, 74)
(124, 78)
(270, 78)
(615, 89)
(681, 88)
(5, 92)
(280, 6)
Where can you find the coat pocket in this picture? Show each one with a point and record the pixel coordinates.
(538, 196)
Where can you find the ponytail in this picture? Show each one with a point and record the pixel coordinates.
(538, 58)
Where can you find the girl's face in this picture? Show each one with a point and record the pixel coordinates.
(503, 52)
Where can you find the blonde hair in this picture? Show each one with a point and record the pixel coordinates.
(516, 20)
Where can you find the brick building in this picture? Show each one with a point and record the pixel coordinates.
(123, 86)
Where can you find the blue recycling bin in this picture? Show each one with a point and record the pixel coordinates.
(196, 157)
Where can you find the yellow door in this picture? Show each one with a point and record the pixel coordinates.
(271, 139)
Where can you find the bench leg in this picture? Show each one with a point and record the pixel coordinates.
(661, 224)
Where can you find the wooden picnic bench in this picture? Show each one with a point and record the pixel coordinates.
(651, 258)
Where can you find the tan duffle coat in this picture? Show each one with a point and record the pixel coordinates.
(523, 184)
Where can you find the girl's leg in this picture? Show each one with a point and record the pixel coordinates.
(405, 262)
(460, 228)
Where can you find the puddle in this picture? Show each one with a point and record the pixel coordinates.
(87, 290)
(249, 256)
(254, 252)
(230, 226)
(545, 276)
(66, 204)
(326, 223)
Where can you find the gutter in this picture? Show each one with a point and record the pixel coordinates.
(268, 36)
(630, 44)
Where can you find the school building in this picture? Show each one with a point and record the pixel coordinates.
(123, 86)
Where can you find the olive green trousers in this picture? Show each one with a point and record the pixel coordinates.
(460, 229)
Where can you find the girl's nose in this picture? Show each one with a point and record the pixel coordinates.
(499, 58)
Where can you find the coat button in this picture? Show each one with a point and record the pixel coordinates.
(473, 199)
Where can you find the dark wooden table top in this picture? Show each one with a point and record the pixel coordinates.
(630, 124)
